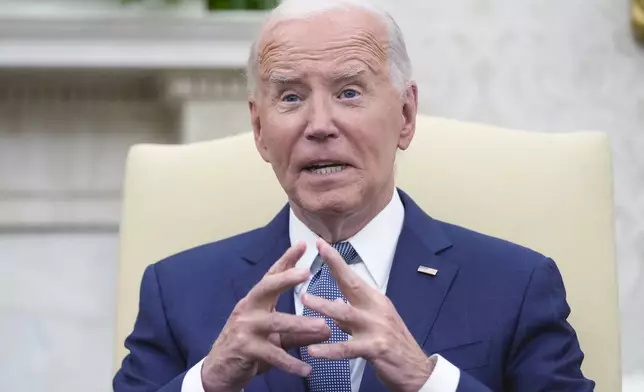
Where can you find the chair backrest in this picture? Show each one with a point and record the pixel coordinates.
(550, 192)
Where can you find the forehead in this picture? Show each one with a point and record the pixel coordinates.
(324, 43)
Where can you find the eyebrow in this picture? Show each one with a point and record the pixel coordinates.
(277, 78)
(349, 73)
(346, 74)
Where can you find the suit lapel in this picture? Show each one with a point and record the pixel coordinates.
(416, 296)
(274, 241)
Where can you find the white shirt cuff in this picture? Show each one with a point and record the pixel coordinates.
(192, 380)
(444, 378)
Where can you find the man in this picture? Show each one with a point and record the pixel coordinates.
(331, 103)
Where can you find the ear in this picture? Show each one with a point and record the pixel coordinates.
(409, 111)
(260, 144)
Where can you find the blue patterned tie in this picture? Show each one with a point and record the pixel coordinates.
(329, 375)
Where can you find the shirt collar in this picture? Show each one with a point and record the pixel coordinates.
(375, 243)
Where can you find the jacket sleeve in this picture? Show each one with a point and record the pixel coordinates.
(468, 383)
(155, 362)
(545, 353)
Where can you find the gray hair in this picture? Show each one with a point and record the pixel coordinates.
(399, 63)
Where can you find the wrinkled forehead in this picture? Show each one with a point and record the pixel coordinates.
(327, 43)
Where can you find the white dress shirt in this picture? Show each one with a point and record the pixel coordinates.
(375, 244)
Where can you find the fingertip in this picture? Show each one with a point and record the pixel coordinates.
(307, 298)
(319, 243)
(301, 245)
(313, 350)
(297, 250)
(293, 255)
(324, 327)
(306, 370)
(303, 273)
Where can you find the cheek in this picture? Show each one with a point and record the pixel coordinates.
(280, 136)
(283, 126)
(375, 140)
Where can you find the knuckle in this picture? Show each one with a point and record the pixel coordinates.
(232, 329)
(273, 322)
(242, 336)
(269, 280)
(289, 366)
(390, 317)
(345, 350)
(383, 303)
(380, 346)
(246, 365)
(266, 283)
(240, 307)
(350, 313)
(354, 284)
(240, 328)
(274, 268)
(291, 277)
(271, 357)
(241, 322)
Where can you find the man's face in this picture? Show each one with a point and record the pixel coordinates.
(326, 115)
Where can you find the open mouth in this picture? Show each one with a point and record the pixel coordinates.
(326, 168)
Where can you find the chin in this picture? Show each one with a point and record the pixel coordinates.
(330, 202)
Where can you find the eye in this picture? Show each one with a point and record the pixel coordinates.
(349, 94)
(290, 98)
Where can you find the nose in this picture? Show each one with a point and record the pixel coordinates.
(321, 125)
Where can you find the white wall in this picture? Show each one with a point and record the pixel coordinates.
(61, 168)
(57, 314)
(545, 65)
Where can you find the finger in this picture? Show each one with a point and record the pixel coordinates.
(290, 323)
(349, 283)
(265, 293)
(344, 315)
(349, 349)
(288, 259)
(291, 340)
(279, 358)
(286, 262)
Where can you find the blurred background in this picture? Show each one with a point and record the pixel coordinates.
(82, 80)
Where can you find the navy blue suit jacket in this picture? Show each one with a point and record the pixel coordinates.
(495, 310)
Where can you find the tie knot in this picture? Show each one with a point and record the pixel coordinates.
(346, 251)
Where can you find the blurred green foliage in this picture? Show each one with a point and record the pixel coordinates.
(241, 4)
(216, 5)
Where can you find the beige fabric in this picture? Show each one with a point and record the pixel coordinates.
(550, 192)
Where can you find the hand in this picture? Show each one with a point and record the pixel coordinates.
(255, 336)
(378, 333)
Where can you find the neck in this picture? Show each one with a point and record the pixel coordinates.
(335, 227)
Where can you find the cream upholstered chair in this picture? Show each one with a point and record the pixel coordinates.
(550, 192)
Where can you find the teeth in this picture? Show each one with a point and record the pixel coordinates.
(328, 169)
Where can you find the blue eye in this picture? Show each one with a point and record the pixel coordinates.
(290, 98)
(349, 94)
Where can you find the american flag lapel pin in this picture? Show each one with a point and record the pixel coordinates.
(427, 271)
